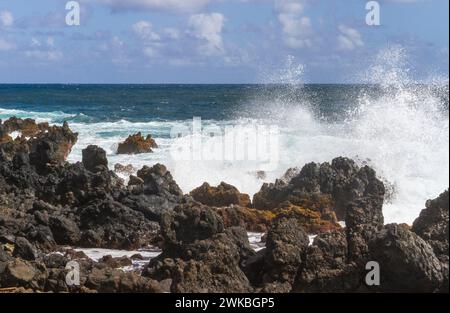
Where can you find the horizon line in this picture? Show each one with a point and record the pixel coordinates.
(215, 84)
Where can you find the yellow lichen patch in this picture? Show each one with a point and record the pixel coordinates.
(313, 221)
(316, 202)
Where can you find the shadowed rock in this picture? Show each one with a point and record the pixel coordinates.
(198, 254)
(94, 159)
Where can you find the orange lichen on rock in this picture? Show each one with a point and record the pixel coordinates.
(136, 144)
(27, 127)
(315, 211)
(312, 221)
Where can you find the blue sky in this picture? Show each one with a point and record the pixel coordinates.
(217, 41)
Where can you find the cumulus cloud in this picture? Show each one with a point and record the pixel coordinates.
(165, 5)
(208, 27)
(6, 18)
(43, 50)
(145, 31)
(40, 55)
(349, 38)
(296, 27)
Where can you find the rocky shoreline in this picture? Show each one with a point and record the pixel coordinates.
(48, 204)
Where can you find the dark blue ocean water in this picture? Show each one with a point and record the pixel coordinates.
(140, 103)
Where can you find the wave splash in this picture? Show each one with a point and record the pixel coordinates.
(399, 127)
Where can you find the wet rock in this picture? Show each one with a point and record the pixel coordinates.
(75, 254)
(135, 181)
(136, 143)
(94, 159)
(222, 195)
(115, 262)
(137, 256)
(127, 169)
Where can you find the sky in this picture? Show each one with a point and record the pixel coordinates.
(218, 41)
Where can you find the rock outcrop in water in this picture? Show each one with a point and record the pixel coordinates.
(47, 203)
(136, 144)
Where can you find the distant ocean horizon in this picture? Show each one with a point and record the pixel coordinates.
(400, 129)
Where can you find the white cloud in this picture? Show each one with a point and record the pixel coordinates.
(43, 50)
(167, 5)
(208, 27)
(41, 55)
(6, 18)
(145, 31)
(151, 40)
(296, 28)
(5, 45)
(349, 38)
(150, 52)
(35, 42)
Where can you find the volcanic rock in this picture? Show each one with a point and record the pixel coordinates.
(198, 255)
(94, 159)
(222, 195)
(136, 143)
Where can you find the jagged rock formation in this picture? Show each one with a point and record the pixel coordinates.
(47, 203)
(136, 144)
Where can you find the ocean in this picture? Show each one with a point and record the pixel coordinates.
(400, 130)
